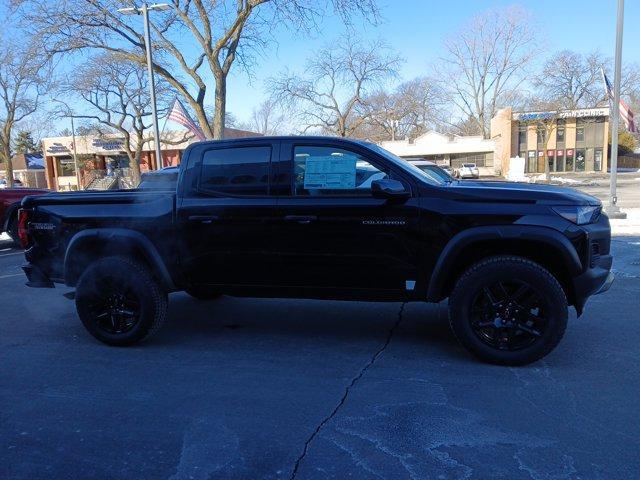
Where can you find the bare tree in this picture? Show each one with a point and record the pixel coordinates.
(23, 81)
(117, 94)
(485, 59)
(219, 34)
(407, 112)
(267, 118)
(571, 80)
(336, 83)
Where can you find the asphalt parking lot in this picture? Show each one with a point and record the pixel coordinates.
(266, 389)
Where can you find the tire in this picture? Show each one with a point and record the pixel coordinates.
(202, 292)
(508, 310)
(119, 301)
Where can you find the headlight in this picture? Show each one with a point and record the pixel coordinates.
(579, 215)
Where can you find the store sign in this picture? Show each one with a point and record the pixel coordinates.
(57, 147)
(569, 152)
(550, 153)
(540, 153)
(586, 112)
(559, 153)
(108, 143)
(541, 116)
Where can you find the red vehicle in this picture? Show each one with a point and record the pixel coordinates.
(10, 199)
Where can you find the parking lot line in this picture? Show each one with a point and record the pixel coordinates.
(12, 275)
(9, 254)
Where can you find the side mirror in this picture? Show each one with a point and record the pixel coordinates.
(388, 188)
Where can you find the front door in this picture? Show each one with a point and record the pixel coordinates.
(226, 214)
(332, 233)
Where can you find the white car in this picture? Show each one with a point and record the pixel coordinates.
(468, 170)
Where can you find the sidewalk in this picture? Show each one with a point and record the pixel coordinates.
(629, 225)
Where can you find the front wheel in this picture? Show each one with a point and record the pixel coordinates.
(119, 301)
(508, 310)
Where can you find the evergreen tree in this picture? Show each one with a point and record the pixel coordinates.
(24, 143)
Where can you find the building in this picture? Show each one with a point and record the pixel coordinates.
(97, 154)
(451, 150)
(28, 168)
(569, 140)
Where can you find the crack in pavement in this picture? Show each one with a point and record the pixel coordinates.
(353, 382)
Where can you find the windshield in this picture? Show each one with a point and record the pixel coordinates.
(429, 177)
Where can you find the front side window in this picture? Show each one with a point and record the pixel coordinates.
(332, 171)
(236, 171)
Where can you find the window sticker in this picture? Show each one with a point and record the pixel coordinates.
(330, 172)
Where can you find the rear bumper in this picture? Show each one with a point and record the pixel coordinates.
(36, 278)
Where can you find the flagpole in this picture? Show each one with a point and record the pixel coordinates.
(612, 208)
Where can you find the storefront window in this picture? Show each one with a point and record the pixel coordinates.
(568, 163)
(580, 134)
(580, 160)
(66, 167)
(530, 166)
(560, 162)
(552, 162)
(541, 136)
(597, 160)
(522, 137)
(560, 131)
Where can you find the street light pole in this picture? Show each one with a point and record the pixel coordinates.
(144, 11)
(152, 85)
(612, 208)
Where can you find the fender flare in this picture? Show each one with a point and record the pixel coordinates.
(112, 236)
(463, 239)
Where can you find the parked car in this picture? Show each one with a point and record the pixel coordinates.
(468, 170)
(432, 169)
(16, 183)
(10, 199)
(285, 217)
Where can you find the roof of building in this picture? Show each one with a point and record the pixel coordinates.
(435, 143)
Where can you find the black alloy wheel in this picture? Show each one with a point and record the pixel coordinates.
(508, 315)
(114, 306)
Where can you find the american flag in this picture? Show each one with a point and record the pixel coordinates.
(180, 115)
(625, 111)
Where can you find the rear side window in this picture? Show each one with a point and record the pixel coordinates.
(332, 171)
(236, 171)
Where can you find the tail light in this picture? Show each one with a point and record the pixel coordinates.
(23, 235)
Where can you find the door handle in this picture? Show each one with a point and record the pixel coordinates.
(203, 218)
(303, 219)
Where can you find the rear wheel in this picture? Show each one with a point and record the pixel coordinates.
(508, 310)
(119, 301)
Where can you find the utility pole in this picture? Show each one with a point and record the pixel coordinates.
(612, 209)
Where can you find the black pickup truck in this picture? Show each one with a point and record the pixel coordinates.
(327, 218)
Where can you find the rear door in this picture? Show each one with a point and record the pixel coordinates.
(332, 233)
(225, 214)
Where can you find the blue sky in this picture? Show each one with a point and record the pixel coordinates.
(416, 29)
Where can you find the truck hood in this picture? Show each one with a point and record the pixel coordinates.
(512, 192)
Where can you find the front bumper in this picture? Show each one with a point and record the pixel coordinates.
(36, 278)
(597, 276)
